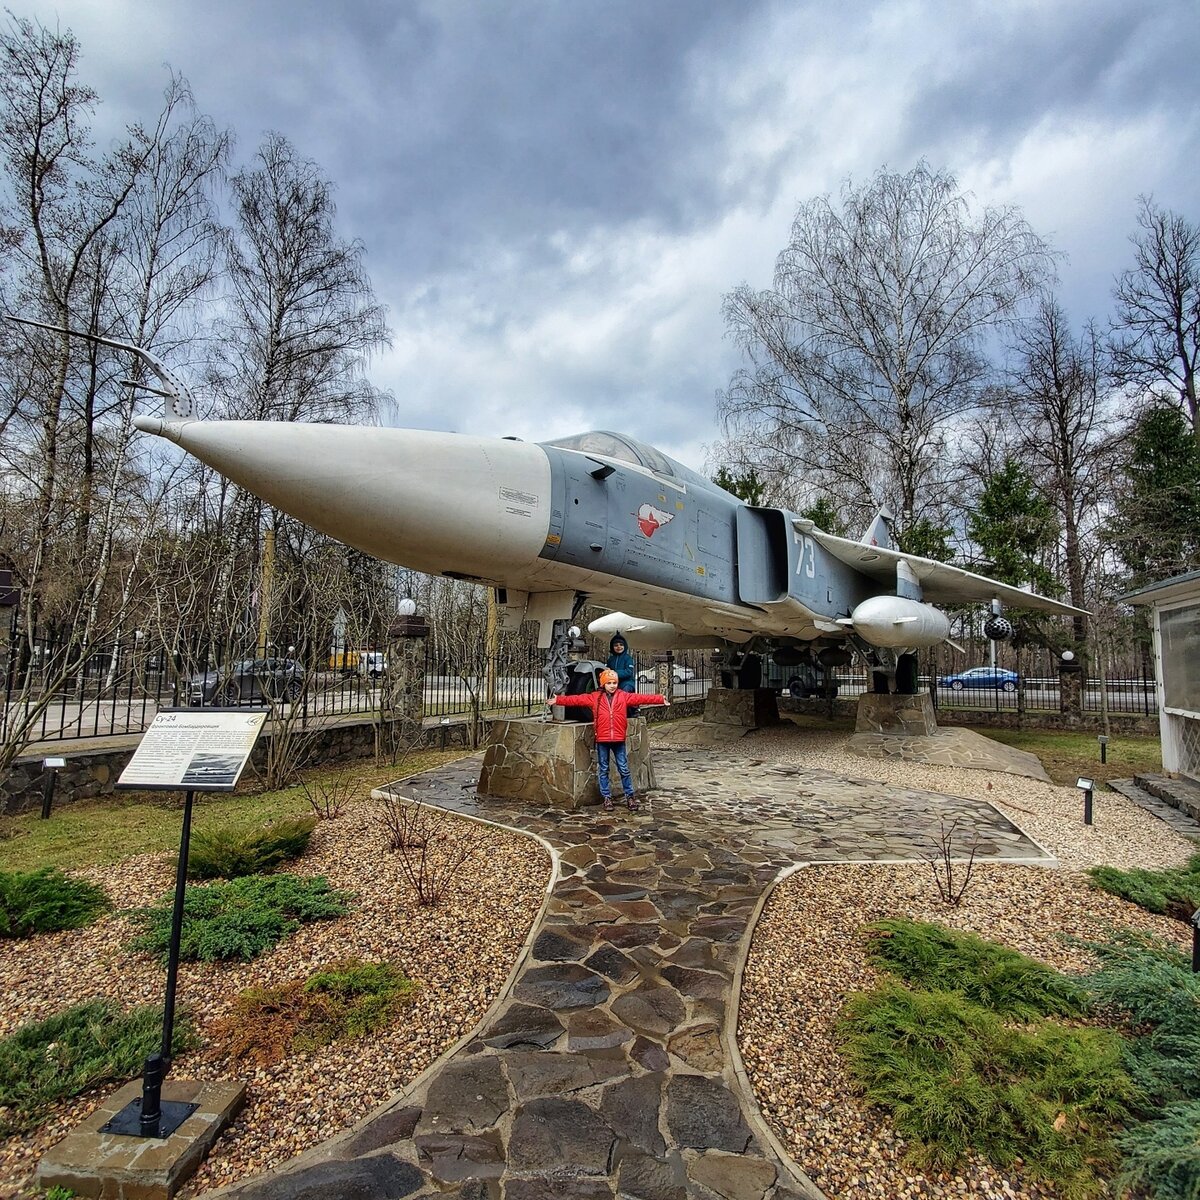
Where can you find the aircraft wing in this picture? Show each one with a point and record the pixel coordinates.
(941, 583)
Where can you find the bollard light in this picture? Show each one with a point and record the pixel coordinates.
(1103, 747)
(1196, 942)
(445, 727)
(51, 766)
(1086, 786)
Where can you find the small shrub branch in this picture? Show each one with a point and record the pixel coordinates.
(951, 884)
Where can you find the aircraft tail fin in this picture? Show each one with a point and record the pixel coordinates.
(879, 532)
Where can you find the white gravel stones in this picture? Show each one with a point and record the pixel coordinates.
(808, 954)
(461, 952)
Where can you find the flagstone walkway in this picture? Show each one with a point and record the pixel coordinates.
(610, 1068)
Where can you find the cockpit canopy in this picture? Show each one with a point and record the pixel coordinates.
(623, 448)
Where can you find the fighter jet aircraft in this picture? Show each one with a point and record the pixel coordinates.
(597, 518)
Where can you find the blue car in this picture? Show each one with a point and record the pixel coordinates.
(982, 677)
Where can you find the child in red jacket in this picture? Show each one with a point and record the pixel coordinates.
(609, 712)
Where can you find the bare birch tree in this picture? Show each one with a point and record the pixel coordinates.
(1066, 431)
(1156, 334)
(874, 339)
(62, 202)
(301, 318)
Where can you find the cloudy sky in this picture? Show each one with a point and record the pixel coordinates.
(554, 197)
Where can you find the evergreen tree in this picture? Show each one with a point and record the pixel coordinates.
(1156, 529)
(1014, 525)
(928, 539)
(747, 487)
(824, 515)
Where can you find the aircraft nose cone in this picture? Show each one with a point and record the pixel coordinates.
(413, 496)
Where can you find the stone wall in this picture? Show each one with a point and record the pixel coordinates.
(91, 773)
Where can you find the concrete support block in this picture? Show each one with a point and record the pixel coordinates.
(882, 713)
(553, 763)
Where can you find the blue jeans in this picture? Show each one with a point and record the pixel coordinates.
(617, 750)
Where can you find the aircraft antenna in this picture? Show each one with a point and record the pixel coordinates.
(179, 406)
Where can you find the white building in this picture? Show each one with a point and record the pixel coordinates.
(1175, 621)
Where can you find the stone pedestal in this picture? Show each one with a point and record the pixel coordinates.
(93, 1163)
(1070, 690)
(746, 708)
(553, 763)
(895, 713)
(402, 699)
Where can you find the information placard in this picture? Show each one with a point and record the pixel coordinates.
(197, 749)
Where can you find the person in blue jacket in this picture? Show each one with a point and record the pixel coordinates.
(621, 661)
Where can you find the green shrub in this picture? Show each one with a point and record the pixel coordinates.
(230, 853)
(999, 979)
(1162, 1157)
(239, 919)
(1174, 891)
(1151, 985)
(75, 1050)
(956, 1079)
(45, 901)
(365, 995)
(346, 1000)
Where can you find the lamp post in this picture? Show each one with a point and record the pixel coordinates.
(1086, 786)
(1103, 740)
(52, 767)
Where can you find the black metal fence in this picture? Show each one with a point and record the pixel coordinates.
(53, 690)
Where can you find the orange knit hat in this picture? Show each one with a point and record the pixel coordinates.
(607, 676)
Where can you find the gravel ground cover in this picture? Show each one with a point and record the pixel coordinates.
(808, 953)
(461, 952)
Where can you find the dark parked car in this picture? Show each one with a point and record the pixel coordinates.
(982, 677)
(809, 682)
(254, 680)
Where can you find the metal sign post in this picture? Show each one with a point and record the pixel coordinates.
(52, 767)
(190, 750)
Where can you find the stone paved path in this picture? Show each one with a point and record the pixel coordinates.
(610, 1069)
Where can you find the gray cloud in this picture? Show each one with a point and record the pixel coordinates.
(555, 196)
